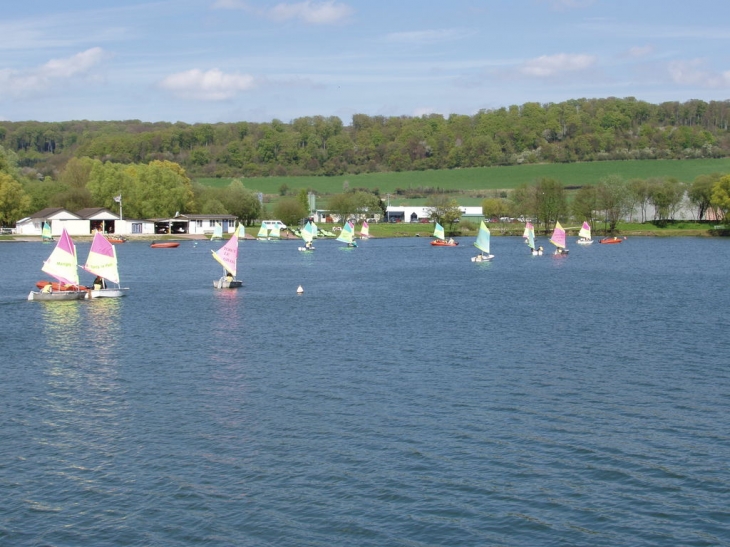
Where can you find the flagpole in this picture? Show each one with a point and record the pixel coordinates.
(118, 199)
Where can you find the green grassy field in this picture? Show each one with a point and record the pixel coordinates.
(487, 178)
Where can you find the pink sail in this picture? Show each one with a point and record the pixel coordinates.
(227, 256)
(102, 259)
(63, 263)
(558, 237)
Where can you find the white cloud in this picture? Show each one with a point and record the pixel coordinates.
(54, 71)
(213, 85)
(317, 13)
(71, 66)
(550, 65)
(694, 73)
(640, 51)
(427, 36)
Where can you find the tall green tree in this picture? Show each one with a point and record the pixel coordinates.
(666, 196)
(585, 204)
(721, 196)
(551, 201)
(14, 202)
(243, 203)
(700, 193)
(641, 194)
(443, 209)
(614, 199)
(290, 211)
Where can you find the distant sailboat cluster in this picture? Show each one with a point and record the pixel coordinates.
(63, 266)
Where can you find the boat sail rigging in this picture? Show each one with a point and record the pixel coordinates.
(102, 262)
(227, 256)
(482, 243)
(558, 239)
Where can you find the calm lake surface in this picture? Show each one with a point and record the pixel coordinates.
(408, 397)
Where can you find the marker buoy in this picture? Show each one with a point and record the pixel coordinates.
(300, 290)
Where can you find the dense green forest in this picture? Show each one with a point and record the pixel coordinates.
(164, 168)
(571, 131)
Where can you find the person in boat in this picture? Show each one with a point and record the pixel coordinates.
(308, 245)
(47, 288)
(451, 241)
(99, 283)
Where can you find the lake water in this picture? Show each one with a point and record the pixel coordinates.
(409, 397)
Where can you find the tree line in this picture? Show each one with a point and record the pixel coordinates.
(614, 199)
(570, 131)
(162, 188)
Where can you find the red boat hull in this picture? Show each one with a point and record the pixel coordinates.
(56, 286)
(166, 245)
(439, 243)
(610, 240)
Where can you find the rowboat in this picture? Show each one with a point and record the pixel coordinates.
(165, 245)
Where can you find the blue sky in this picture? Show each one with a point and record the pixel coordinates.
(256, 60)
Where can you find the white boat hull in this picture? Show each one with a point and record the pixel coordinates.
(584, 241)
(58, 296)
(306, 249)
(482, 258)
(108, 293)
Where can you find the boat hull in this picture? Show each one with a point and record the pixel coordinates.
(61, 287)
(108, 293)
(58, 296)
(482, 258)
(306, 249)
(224, 283)
(166, 245)
(584, 241)
(439, 243)
(611, 240)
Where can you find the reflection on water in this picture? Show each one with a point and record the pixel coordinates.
(61, 328)
(104, 327)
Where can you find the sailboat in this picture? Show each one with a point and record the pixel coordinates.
(315, 230)
(482, 243)
(241, 232)
(263, 234)
(307, 235)
(63, 266)
(347, 235)
(529, 235)
(365, 230)
(217, 232)
(558, 239)
(584, 234)
(440, 235)
(275, 232)
(102, 262)
(227, 256)
(46, 234)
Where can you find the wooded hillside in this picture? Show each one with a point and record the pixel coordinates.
(575, 130)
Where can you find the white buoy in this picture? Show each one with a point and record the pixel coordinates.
(300, 290)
